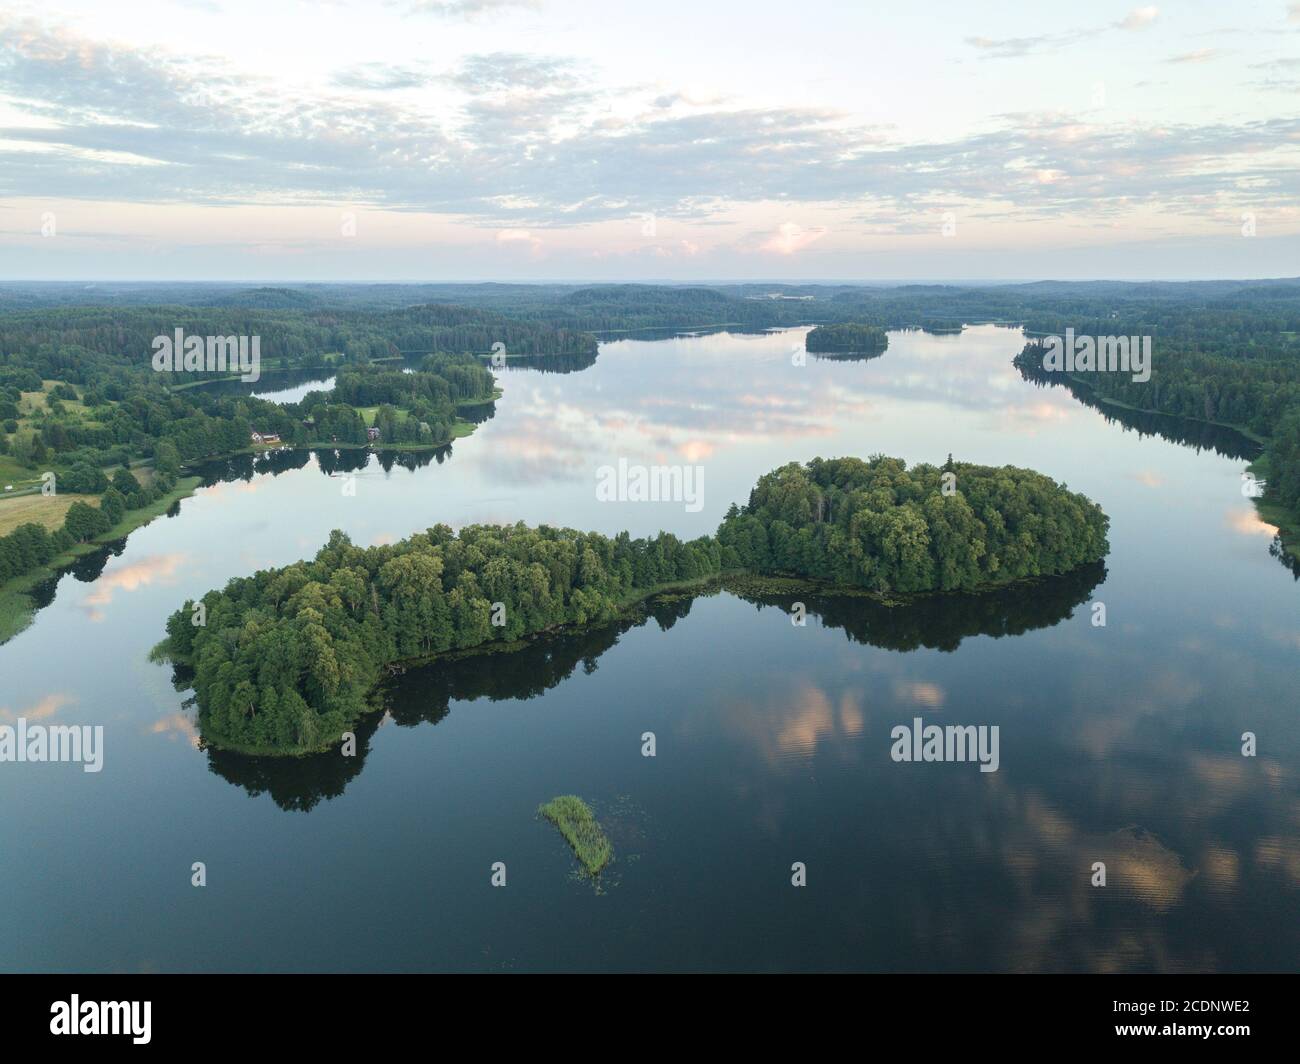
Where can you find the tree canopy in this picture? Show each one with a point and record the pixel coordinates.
(881, 526)
(848, 337)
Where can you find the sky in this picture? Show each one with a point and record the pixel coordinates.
(608, 140)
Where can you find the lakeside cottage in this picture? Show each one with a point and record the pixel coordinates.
(265, 437)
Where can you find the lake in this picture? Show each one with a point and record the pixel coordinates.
(1118, 744)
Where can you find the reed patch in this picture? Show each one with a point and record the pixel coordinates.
(577, 823)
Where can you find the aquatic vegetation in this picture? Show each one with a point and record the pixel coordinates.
(578, 825)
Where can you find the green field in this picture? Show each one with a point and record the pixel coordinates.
(39, 509)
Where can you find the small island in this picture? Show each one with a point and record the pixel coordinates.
(286, 661)
(577, 823)
(847, 339)
(393, 407)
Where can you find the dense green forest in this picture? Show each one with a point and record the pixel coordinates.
(84, 344)
(881, 526)
(77, 386)
(286, 660)
(576, 308)
(111, 407)
(1238, 368)
(80, 399)
(849, 337)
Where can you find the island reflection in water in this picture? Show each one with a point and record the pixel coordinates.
(424, 694)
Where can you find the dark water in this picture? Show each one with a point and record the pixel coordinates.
(1119, 744)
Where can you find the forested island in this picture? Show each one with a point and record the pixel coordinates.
(848, 338)
(287, 660)
(881, 526)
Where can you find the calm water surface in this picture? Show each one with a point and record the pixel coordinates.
(1118, 744)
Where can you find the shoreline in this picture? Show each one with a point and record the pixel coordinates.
(1285, 520)
(1241, 430)
(17, 610)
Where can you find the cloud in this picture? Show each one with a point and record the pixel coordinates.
(1289, 65)
(1249, 523)
(671, 99)
(1201, 55)
(42, 710)
(520, 236)
(130, 577)
(696, 450)
(1016, 47)
(499, 71)
(1138, 18)
(527, 142)
(791, 237)
(177, 725)
(468, 9)
(380, 76)
(924, 693)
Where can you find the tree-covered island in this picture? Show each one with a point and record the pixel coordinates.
(847, 338)
(286, 660)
